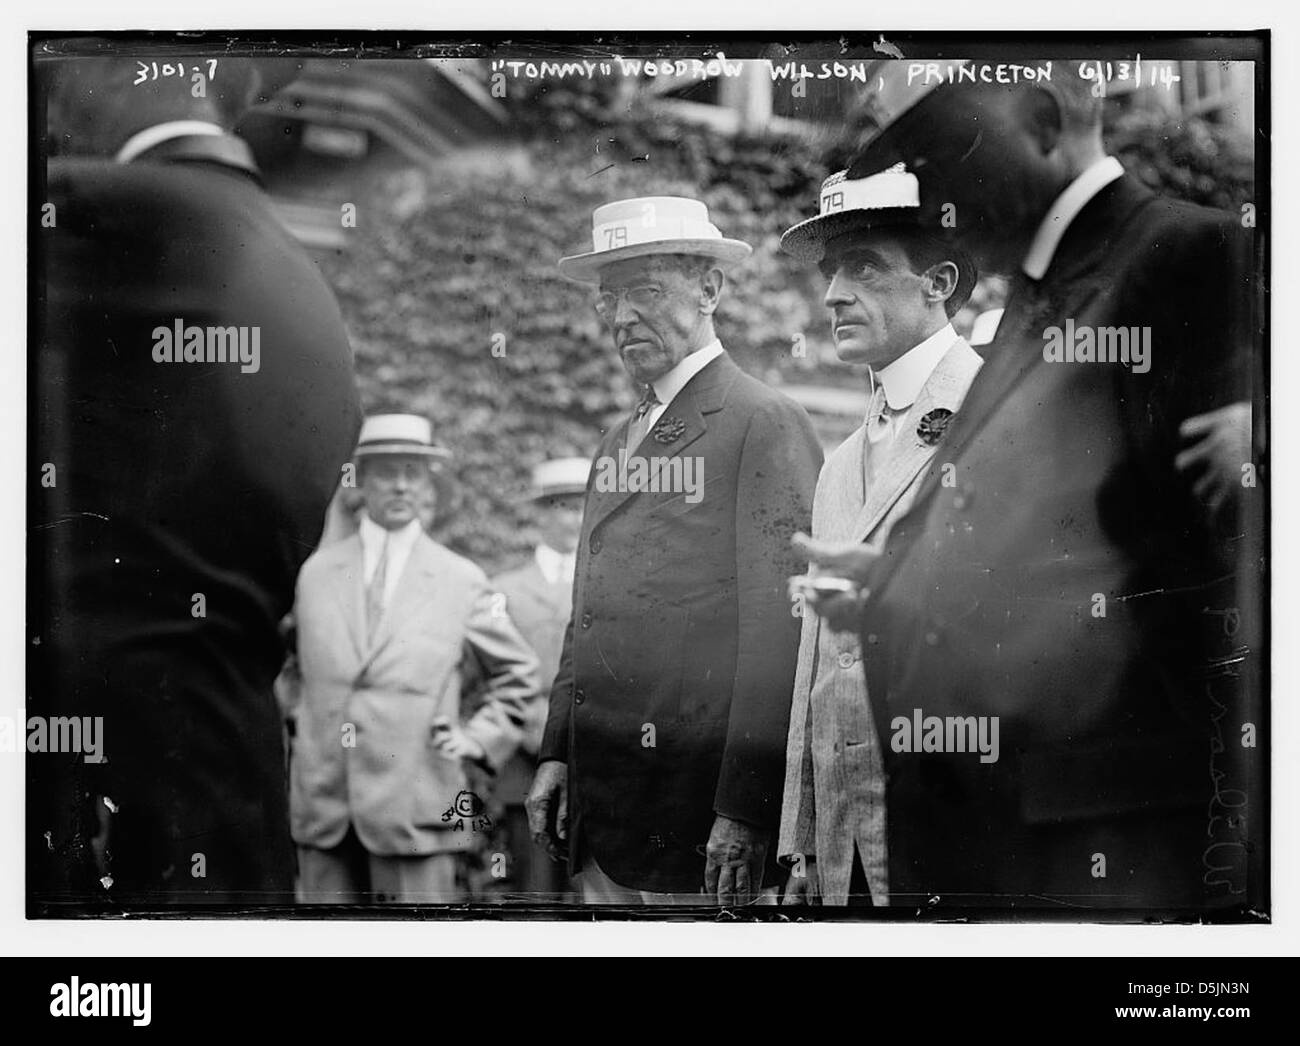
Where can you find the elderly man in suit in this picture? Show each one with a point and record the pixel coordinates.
(662, 762)
(1057, 578)
(394, 631)
(893, 289)
(189, 486)
(539, 599)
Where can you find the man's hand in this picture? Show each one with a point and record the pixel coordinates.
(733, 869)
(850, 560)
(1219, 444)
(548, 807)
(454, 743)
(803, 889)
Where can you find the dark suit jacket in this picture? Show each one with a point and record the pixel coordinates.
(1063, 492)
(174, 481)
(681, 622)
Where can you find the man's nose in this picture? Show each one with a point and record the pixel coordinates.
(837, 293)
(624, 314)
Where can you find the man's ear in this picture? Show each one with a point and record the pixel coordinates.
(942, 282)
(1038, 111)
(711, 284)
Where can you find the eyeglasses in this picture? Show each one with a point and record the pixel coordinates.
(642, 298)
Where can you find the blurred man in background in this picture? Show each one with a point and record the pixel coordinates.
(539, 599)
(394, 632)
(188, 485)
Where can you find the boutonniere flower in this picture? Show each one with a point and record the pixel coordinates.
(669, 430)
(932, 426)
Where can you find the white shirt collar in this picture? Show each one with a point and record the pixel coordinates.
(401, 541)
(670, 384)
(555, 566)
(906, 376)
(1066, 208)
(143, 141)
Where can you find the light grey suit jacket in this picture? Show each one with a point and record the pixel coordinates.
(363, 750)
(834, 781)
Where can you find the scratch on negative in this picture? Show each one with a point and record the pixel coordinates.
(69, 519)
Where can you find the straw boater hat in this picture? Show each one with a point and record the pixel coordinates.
(651, 225)
(889, 199)
(409, 434)
(559, 476)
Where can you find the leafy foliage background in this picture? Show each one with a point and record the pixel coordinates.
(451, 261)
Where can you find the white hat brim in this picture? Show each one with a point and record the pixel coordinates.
(586, 267)
(807, 240)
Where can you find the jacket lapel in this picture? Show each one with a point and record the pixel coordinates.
(704, 394)
(945, 388)
(1069, 285)
(349, 588)
(413, 589)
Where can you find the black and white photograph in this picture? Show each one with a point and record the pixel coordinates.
(798, 477)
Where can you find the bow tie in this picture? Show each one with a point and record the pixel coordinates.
(647, 403)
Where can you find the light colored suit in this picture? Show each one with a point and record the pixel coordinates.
(443, 631)
(834, 781)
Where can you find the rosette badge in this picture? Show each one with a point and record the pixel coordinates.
(669, 430)
(932, 427)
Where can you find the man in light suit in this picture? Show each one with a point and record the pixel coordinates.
(393, 629)
(894, 288)
(662, 761)
(539, 600)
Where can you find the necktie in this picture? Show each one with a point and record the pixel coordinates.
(640, 425)
(375, 593)
(879, 425)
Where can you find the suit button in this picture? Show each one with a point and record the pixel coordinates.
(595, 544)
(932, 638)
(586, 620)
(579, 697)
(846, 660)
(872, 639)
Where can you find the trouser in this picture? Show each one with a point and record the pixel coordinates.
(350, 874)
(599, 888)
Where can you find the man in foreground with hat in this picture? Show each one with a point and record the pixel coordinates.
(538, 596)
(661, 764)
(1057, 578)
(893, 290)
(394, 631)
